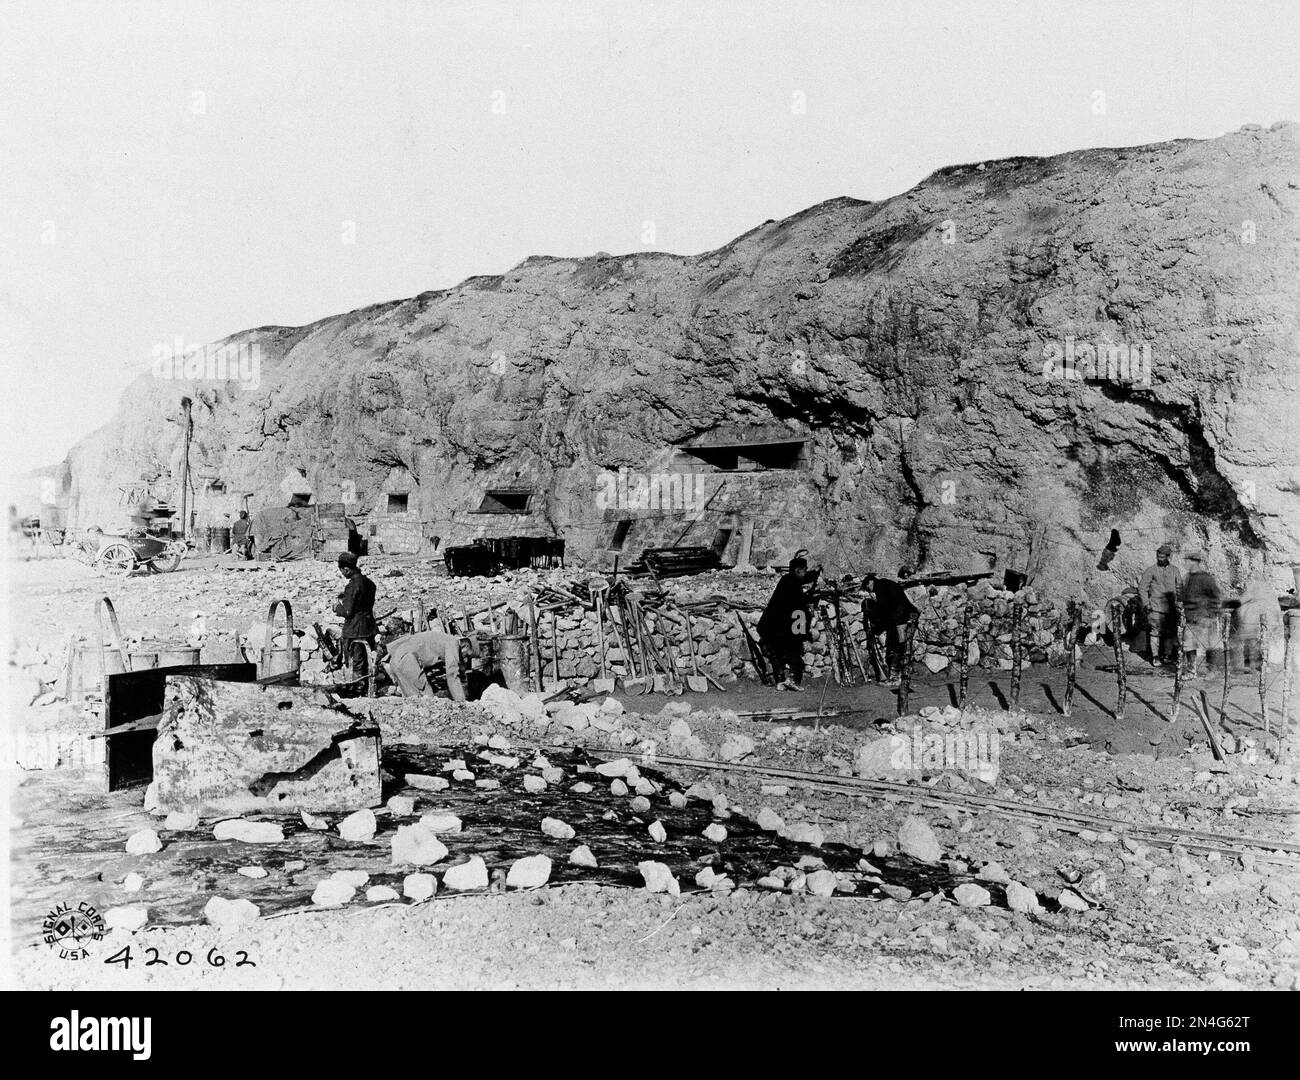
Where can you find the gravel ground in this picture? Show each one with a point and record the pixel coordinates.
(1161, 918)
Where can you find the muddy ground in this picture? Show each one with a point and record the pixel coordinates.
(1157, 917)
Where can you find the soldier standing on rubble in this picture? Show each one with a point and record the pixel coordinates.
(786, 623)
(356, 606)
(1157, 591)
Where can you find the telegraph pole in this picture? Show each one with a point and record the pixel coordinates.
(185, 467)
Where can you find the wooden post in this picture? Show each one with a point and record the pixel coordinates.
(1071, 655)
(534, 644)
(600, 636)
(1121, 676)
(1263, 665)
(1180, 628)
(1017, 653)
(555, 645)
(1225, 623)
(832, 660)
(873, 648)
(1284, 725)
(963, 661)
(905, 681)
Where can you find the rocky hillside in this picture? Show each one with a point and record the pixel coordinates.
(926, 348)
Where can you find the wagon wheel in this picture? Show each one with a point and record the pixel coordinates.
(169, 558)
(117, 559)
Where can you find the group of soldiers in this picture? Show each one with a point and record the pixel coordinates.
(406, 658)
(786, 623)
(1257, 625)
(787, 620)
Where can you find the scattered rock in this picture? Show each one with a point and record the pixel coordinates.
(640, 805)
(658, 878)
(252, 871)
(359, 826)
(467, 875)
(657, 832)
(993, 872)
(427, 783)
(715, 832)
(735, 747)
(708, 878)
(401, 806)
(1071, 901)
(581, 788)
(618, 767)
(557, 829)
(442, 823)
(805, 833)
(534, 785)
(250, 832)
(379, 894)
(529, 872)
(1022, 898)
(582, 856)
(181, 821)
(417, 845)
(355, 878)
(313, 822)
(917, 839)
(971, 895)
(144, 842)
(133, 882)
(677, 800)
(332, 893)
(821, 882)
(617, 787)
(419, 886)
(230, 913)
(769, 820)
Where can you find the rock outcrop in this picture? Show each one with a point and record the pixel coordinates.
(882, 383)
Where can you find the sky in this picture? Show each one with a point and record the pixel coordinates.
(185, 170)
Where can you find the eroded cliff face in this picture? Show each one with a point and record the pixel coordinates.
(923, 346)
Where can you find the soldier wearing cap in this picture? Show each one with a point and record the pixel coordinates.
(356, 606)
(1157, 592)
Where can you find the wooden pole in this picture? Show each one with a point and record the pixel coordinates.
(1180, 628)
(905, 681)
(963, 661)
(873, 647)
(555, 645)
(1284, 724)
(1071, 656)
(1263, 665)
(1225, 622)
(831, 659)
(1121, 675)
(600, 635)
(534, 645)
(1017, 653)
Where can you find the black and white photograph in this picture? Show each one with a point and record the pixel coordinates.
(652, 496)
